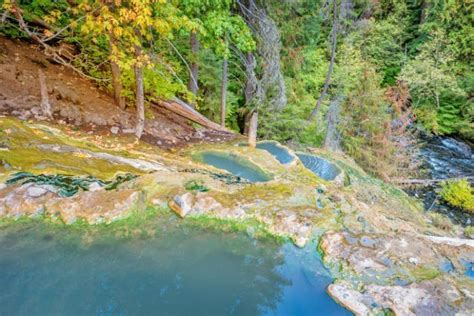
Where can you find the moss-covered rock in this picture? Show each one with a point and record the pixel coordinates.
(371, 234)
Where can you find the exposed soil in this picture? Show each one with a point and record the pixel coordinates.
(80, 102)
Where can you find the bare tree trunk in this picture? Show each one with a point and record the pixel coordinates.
(117, 85)
(194, 71)
(250, 87)
(253, 92)
(253, 126)
(331, 142)
(139, 101)
(45, 105)
(116, 82)
(425, 6)
(247, 117)
(269, 48)
(224, 91)
(315, 111)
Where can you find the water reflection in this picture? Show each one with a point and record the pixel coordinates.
(173, 270)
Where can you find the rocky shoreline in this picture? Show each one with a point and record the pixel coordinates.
(381, 247)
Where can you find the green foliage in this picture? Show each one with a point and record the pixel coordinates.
(459, 194)
(424, 44)
(469, 232)
(365, 123)
(381, 41)
(441, 221)
(196, 186)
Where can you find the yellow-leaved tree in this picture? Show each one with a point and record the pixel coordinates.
(133, 28)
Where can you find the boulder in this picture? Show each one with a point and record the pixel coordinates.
(35, 191)
(182, 204)
(114, 130)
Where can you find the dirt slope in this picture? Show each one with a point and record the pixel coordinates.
(78, 101)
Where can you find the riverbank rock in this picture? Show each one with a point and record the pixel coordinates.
(193, 204)
(25, 200)
(182, 204)
(432, 297)
(95, 207)
(425, 286)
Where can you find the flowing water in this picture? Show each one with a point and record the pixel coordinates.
(237, 166)
(445, 158)
(166, 268)
(319, 166)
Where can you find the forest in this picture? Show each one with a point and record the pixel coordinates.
(236, 157)
(356, 75)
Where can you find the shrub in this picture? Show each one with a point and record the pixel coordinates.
(459, 194)
(469, 232)
(441, 221)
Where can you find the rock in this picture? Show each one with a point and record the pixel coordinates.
(95, 186)
(25, 200)
(300, 241)
(414, 299)
(95, 207)
(159, 202)
(404, 300)
(36, 110)
(2, 186)
(455, 242)
(368, 242)
(413, 260)
(114, 130)
(36, 191)
(182, 204)
(146, 165)
(198, 134)
(204, 203)
(349, 298)
(128, 131)
(97, 120)
(70, 112)
(68, 217)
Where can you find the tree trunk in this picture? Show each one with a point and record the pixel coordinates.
(269, 49)
(117, 85)
(331, 142)
(224, 91)
(183, 109)
(253, 125)
(425, 6)
(315, 111)
(116, 82)
(247, 117)
(194, 73)
(45, 105)
(139, 101)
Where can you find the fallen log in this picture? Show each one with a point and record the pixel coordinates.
(429, 181)
(185, 110)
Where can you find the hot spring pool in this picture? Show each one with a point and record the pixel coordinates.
(166, 268)
(235, 165)
(279, 152)
(319, 166)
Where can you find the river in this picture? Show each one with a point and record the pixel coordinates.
(445, 157)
